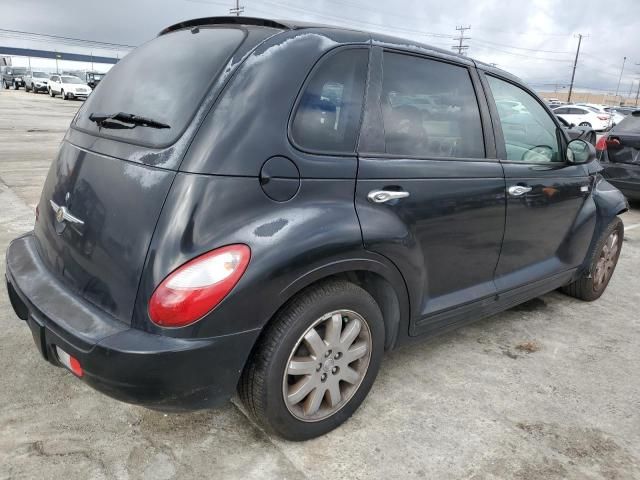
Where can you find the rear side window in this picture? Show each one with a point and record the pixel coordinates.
(429, 109)
(165, 80)
(327, 118)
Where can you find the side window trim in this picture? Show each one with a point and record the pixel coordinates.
(499, 135)
(309, 78)
(372, 142)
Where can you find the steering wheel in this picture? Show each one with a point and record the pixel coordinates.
(539, 153)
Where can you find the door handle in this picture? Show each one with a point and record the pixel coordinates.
(381, 196)
(518, 190)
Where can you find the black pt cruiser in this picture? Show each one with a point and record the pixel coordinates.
(277, 204)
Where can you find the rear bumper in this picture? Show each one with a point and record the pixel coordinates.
(156, 371)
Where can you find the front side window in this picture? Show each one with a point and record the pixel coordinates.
(430, 109)
(328, 115)
(529, 132)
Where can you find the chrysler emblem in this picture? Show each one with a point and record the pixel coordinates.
(62, 214)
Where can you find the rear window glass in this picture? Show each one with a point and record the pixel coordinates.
(164, 80)
(630, 124)
(328, 115)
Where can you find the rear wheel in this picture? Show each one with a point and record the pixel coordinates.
(63, 95)
(592, 284)
(585, 124)
(315, 362)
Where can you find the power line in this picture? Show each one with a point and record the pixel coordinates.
(518, 48)
(19, 34)
(494, 49)
(462, 49)
(624, 60)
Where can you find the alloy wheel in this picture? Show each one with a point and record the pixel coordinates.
(607, 261)
(327, 365)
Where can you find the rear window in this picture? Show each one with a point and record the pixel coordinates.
(630, 124)
(165, 80)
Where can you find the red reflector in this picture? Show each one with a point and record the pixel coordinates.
(195, 288)
(601, 144)
(68, 361)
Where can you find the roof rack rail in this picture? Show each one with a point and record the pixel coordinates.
(196, 22)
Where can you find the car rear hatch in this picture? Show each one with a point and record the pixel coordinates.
(107, 186)
(623, 142)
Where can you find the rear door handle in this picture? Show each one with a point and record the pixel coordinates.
(381, 196)
(518, 190)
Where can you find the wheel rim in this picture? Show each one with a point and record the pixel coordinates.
(607, 261)
(327, 365)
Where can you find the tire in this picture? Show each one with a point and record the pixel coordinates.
(5, 85)
(592, 284)
(585, 124)
(63, 95)
(15, 86)
(26, 87)
(265, 380)
(51, 94)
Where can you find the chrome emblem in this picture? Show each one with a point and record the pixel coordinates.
(62, 214)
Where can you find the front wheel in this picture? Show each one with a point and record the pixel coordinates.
(585, 124)
(592, 284)
(5, 85)
(51, 94)
(315, 361)
(63, 95)
(15, 86)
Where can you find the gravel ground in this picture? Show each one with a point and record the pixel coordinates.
(547, 390)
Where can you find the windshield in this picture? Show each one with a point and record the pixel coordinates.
(72, 80)
(164, 80)
(39, 75)
(19, 71)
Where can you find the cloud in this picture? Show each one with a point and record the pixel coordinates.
(534, 40)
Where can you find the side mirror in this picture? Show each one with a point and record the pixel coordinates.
(579, 151)
(572, 125)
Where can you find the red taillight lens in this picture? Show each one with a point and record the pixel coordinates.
(196, 287)
(604, 117)
(601, 144)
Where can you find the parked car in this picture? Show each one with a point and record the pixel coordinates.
(619, 153)
(614, 117)
(583, 117)
(36, 82)
(587, 134)
(68, 87)
(12, 77)
(186, 245)
(93, 78)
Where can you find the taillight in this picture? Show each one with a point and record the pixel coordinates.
(604, 117)
(601, 144)
(196, 287)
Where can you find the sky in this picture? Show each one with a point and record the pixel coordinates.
(535, 40)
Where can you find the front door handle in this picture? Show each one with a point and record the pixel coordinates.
(518, 190)
(381, 196)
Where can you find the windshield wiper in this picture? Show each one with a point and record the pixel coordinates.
(105, 120)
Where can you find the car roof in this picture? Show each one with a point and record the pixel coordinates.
(377, 38)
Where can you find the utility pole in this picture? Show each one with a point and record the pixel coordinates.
(624, 60)
(237, 10)
(462, 49)
(575, 63)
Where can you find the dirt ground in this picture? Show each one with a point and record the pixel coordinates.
(547, 390)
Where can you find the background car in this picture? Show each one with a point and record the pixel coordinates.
(583, 117)
(615, 117)
(68, 87)
(12, 76)
(587, 134)
(36, 82)
(619, 154)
